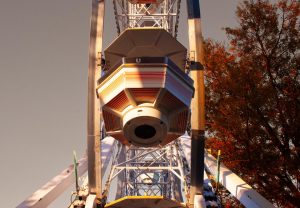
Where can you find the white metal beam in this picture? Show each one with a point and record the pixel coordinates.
(54, 188)
(236, 186)
(233, 183)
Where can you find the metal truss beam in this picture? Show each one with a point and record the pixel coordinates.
(198, 102)
(94, 111)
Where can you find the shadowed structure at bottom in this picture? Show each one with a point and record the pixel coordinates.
(144, 202)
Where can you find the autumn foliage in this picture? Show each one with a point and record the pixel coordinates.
(253, 98)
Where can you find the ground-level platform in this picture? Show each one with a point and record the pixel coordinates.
(144, 202)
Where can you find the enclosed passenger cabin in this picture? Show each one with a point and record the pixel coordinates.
(145, 94)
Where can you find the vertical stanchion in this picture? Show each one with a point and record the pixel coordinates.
(197, 106)
(75, 171)
(94, 111)
(218, 173)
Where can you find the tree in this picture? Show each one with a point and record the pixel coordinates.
(253, 98)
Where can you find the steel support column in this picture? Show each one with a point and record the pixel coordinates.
(197, 163)
(94, 111)
(197, 106)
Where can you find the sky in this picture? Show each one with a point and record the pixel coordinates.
(43, 85)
